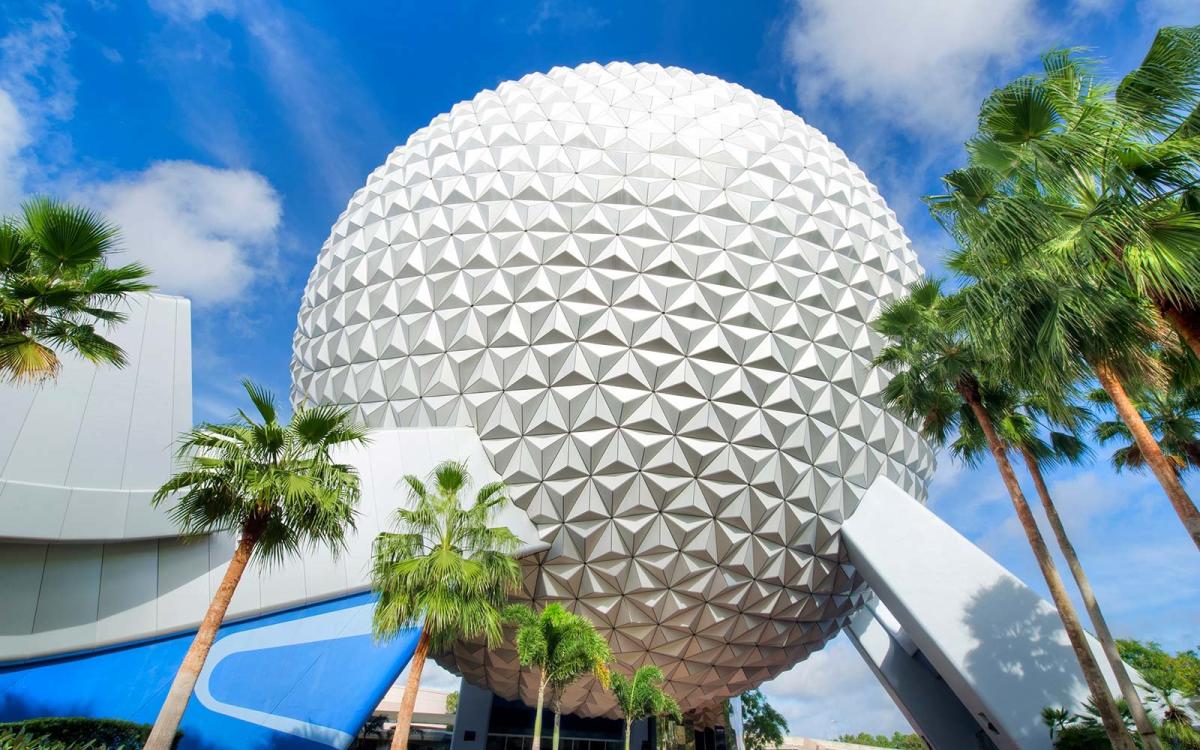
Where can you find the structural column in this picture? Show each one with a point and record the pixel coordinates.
(919, 692)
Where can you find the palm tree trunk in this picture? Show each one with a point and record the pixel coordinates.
(1185, 324)
(1162, 468)
(537, 717)
(411, 688)
(557, 719)
(1103, 634)
(1110, 717)
(162, 736)
(628, 724)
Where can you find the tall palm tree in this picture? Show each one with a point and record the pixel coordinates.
(641, 696)
(563, 646)
(1045, 433)
(277, 486)
(445, 570)
(56, 286)
(1057, 329)
(937, 376)
(1171, 414)
(1073, 182)
(1112, 170)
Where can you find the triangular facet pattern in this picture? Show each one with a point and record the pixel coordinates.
(649, 291)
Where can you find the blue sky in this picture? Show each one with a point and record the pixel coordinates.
(225, 136)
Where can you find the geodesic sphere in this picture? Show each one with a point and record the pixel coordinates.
(648, 291)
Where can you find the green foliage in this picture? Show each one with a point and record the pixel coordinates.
(1173, 416)
(1084, 731)
(642, 696)
(278, 482)
(73, 733)
(1073, 217)
(56, 287)
(452, 703)
(897, 740)
(1173, 679)
(21, 740)
(931, 360)
(445, 566)
(763, 728)
(1166, 672)
(562, 645)
(1093, 176)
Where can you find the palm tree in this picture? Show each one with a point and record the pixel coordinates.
(1099, 176)
(445, 570)
(1171, 414)
(937, 380)
(1072, 182)
(1020, 423)
(563, 646)
(277, 486)
(642, 696)
(56, 286)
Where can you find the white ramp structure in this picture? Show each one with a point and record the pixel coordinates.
(955, 638)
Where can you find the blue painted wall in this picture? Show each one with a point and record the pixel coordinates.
(304, 678)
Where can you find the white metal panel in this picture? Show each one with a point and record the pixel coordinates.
(183, 591)
(32, 511)
(21, 568)
(70, 594)
(48, 437)
(96, 514)
(151, 432)
(128, 591)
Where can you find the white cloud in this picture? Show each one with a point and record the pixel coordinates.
(206, 233)
(833, 692)
(922, 64)
(13, 139)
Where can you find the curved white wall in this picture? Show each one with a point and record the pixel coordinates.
(81, 457)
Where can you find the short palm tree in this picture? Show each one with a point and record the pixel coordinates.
(56, 287)
(277, 486)
(642, 696)
(1045, 432)
(563, 647)
(937, 379)
(1172, 414)
(445, 570)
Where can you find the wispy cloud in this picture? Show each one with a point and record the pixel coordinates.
(322, 101)
(37, 88)
(14, 137)
(192, 10)
(566, 16)
(34, 69)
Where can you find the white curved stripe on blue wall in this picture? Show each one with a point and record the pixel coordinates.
(267, 684)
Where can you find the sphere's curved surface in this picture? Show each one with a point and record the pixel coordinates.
(648, 291)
